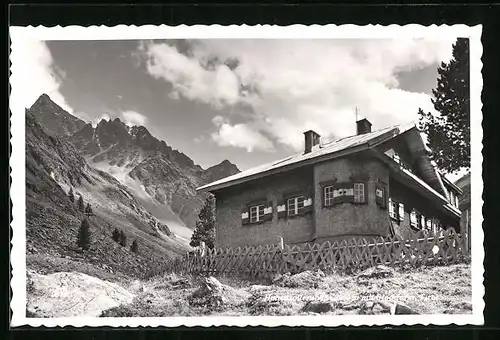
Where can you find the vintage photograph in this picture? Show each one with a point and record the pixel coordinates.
(250, 177)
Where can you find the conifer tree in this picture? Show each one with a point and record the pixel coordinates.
(134, 246)
(116, 235)
(123, 239)
(205, 225)
(83, 240)
(448, 133)
(71, 195)
(81, 206)
(88, 210)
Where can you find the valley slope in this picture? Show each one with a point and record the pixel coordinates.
(133, 181)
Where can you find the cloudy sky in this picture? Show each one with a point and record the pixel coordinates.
(248, 101)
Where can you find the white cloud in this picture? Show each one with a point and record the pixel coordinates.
(95, 121)
(295, 85)
(239, 135)
(36, 73)
(217, 87)
(134, 118)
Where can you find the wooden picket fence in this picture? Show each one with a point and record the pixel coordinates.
(356, 253)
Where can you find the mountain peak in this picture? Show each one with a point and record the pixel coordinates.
(44, 100)
(221, 170)
(54, 119)
(226, 164)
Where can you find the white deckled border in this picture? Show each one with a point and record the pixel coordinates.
(18, 173)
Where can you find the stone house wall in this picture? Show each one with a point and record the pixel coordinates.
(229, 203)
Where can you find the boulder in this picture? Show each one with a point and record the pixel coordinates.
(376, 272)
(399, 309)
(214, 294)
(317, 307)
(72, 294)
(374, 308)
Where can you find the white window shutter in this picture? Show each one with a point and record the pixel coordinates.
(401, 211)
(413, 218)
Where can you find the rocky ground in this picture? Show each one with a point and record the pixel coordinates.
(379, 290)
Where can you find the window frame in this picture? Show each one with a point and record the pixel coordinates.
(348, 197)
(394, 209)
(364, 192)
(296, 200)
(259, 215)
(328, 202)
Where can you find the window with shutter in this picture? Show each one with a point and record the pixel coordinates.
(435, 226)
(329, 193)
(393, 209)
(281, 208)
(429, 224)
(244, 216)
(401, 212)
(359, 193)
(256, 213)
(294, 205)
(380, 197)
(413, 218)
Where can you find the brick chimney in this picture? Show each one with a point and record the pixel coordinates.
(311, 139)
(363, 126)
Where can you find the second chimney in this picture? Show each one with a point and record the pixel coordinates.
(363, 126)
(311, 139)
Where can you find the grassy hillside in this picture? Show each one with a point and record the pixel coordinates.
(53, 166)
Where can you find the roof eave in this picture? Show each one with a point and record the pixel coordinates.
(310, 161)
(395, 167)
(353, 149)
(451, 184)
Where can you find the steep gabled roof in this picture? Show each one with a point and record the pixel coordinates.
(338, 148)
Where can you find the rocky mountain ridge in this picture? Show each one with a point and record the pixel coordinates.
(147, 165)
(53, 166)
(54, 119)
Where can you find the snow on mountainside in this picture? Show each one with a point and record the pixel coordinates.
(150, 167)
(53, 166)
(163, 179)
